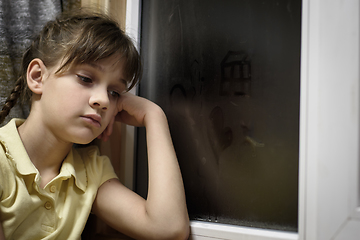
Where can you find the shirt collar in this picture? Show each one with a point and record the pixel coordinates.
(74, 165)
(16, 152)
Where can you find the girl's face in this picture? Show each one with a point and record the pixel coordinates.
(77, 105)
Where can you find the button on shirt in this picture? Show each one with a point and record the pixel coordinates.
(52, 189)
(60, 209)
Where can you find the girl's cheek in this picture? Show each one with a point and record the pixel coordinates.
(115, 111)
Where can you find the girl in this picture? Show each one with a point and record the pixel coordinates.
(77, 73)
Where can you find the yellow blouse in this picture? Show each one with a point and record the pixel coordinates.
(61, 209)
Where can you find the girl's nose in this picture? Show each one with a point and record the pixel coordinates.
(99, 99)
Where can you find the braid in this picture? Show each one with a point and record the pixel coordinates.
(11, 100)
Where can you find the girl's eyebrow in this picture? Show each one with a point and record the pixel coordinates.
(97, 66)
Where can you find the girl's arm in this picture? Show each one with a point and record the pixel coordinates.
(163, 215)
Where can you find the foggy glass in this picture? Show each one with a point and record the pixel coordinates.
(227, 74)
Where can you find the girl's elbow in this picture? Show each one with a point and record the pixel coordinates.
(181, 231)
(176, 231)
(186, 230)
(185, 233)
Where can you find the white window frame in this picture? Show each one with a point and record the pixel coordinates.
(329, 169)
(329, 130)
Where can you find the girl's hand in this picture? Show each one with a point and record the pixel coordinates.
(136, 111)
(132, 110)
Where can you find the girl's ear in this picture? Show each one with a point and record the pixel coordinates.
(35, 75)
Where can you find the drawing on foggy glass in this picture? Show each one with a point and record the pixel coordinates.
(227, 75)
(235, 74)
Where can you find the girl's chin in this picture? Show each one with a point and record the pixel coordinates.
(84, 135)
(84, 140)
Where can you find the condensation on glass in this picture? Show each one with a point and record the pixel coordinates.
(227, 74)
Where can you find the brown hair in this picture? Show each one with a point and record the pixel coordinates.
(76, 38)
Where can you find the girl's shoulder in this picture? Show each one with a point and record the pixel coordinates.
(92, 158)
(98, 167)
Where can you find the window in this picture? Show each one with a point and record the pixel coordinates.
(329, 130)
(227, 74)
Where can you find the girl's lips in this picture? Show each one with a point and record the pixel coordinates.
(93, 119)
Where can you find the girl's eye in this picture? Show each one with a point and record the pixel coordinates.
(114, 94)
(84, 79)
